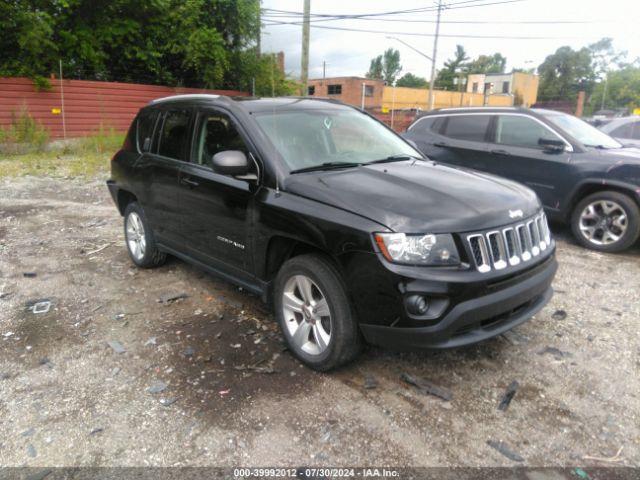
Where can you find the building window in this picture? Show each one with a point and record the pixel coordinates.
(368, 90)
(311, 90)
(334, 89)
(474, 87)
(505, 87)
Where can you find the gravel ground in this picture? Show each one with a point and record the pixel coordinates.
(111, 376)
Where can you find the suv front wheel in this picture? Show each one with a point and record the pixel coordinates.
(606, 221)
(314, 313)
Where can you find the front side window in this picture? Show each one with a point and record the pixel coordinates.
(216, 133)
(472, 128)
(309, 138)
(519, 131)
(144, 131)
(586, 134)
(334, 89)
(628, 130)
(175, 134)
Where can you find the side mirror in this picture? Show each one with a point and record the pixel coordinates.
(231, 162)
(552, 146)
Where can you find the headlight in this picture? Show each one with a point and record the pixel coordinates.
(418, 249)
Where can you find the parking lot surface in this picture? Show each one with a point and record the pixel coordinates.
(131, 367)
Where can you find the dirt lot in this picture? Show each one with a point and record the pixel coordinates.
(228, 394)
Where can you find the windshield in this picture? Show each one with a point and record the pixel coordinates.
(582, 131)
(310, 138)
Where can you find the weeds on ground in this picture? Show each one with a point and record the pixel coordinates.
(24, 134)
(83, 157)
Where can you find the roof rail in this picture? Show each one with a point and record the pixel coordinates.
(188, 96)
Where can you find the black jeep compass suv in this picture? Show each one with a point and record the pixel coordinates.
(582, 176)
(344, 226)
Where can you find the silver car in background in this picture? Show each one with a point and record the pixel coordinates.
(624, 129)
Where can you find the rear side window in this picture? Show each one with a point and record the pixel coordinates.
(629, 130)
(175, 134)
(472, 128)
(428, 124)
(521, 131)
(145, 125)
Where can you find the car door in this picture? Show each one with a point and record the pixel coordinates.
(158, 170)
(461, 139)
(516, 153)
(216, 209)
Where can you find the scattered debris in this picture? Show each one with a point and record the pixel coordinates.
(427, 388)
(559, 315)
(165, 402)
(42, 306)
(557, 353)
(151, 341)
(29, 274)
(116, 346)
(96, 308)
(7, 335)
(370, 382)
(115, 371)
(4, 376)
(172, 297)
(235, 345)
(157, 387)
(31, 451)
(515, 338)
(99, 249)
(28, 433)
(581, 473)
(615, 459)
(224, 392)
(96, 430)
(508, 395)
(188, 352)
(504, 450)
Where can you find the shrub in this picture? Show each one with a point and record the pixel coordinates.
(25, 133)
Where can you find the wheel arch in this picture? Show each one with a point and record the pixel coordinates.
(589, 187)
(124, 198)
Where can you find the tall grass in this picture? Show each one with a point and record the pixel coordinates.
(24, 133)
(82, 157)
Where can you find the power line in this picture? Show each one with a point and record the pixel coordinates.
(492, 22)
(418, 34)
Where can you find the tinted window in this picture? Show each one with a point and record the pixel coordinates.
(428, 124)
(521, 131)
(175, 134)
(145, 125)
(467, 127)
(628, 130)
(217, 133)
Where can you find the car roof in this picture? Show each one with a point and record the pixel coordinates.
(253, 104)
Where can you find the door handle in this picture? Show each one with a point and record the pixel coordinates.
(440, 144)
(188, 182)
(500, 152)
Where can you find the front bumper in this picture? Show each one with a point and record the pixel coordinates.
(474, 319)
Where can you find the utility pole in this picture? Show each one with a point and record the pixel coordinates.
(259, 40)
(304, 68)
(324, 69)
(434, 56)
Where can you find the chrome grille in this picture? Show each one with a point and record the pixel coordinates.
(514, 244)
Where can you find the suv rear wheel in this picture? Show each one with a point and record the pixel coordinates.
(139, 238)
(606, 221)
(314, 313)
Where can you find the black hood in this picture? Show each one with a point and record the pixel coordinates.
(418, 196)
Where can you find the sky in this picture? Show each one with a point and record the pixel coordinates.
(349, 53)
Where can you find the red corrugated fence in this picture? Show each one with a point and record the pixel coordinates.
(88, 105)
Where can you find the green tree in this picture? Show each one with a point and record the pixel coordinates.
(412, 81)
(453, 68)
(622, 89)
(564, 73)
(386, 66)
(495, 63)
(173, 42)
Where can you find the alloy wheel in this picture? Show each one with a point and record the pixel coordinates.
(603, 222)
(307, 315)
(135, 236)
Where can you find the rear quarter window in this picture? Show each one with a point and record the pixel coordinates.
(145, 125)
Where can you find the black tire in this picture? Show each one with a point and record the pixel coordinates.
(152, 257)
(632, 213)
(345, 341)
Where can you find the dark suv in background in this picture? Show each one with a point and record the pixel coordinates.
(327, 213)
(582, 176)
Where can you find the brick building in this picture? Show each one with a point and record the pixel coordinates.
(349, 90)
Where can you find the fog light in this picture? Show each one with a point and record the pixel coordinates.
(416, 304)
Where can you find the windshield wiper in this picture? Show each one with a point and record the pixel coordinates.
(599, 147)
(326, 166)
(395, 158)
